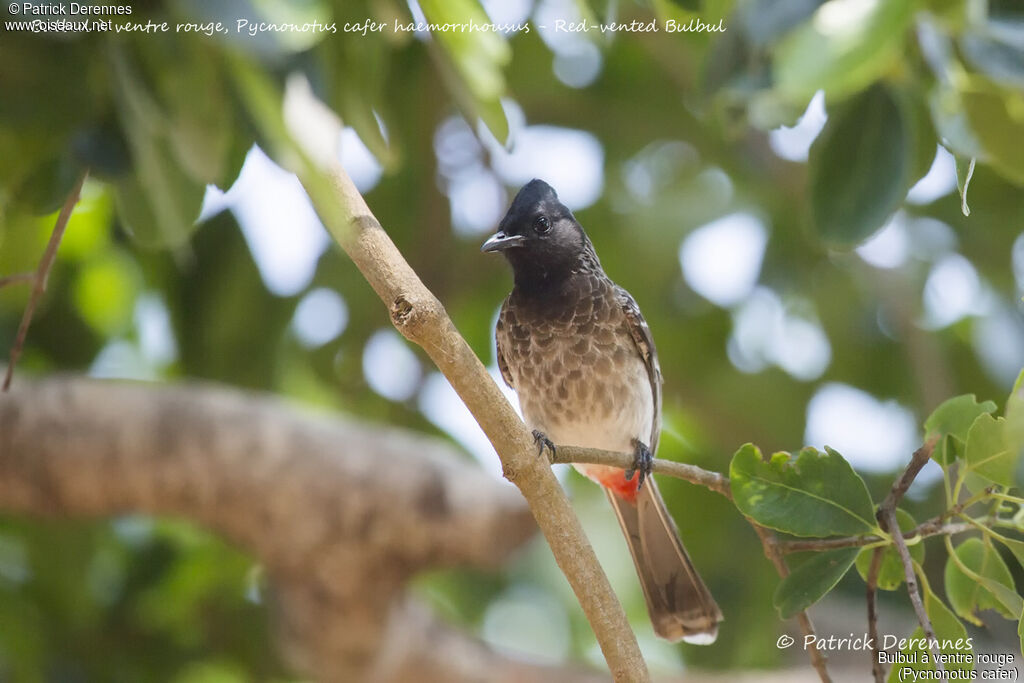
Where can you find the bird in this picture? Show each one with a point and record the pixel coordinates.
(581, 358)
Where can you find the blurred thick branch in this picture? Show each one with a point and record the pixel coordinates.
(340, 513)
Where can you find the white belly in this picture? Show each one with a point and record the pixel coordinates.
(614, 410)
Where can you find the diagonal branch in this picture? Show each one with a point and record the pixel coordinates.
(421, 318)
(887, 518)
(771, 551)
(42, 274)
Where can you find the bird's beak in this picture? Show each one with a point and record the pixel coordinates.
(499, 241)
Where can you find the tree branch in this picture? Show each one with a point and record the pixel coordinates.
(923, 530)
(900, 486)
(877, 668)
(341, 514)
(771, 551)
(421, 318)
(691, 473)
(42, 274)
(16, 278)
(887, 518)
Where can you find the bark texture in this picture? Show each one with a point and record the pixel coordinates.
(340, 513)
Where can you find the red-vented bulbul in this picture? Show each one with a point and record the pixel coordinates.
(576, 349)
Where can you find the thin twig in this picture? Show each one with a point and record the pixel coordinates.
(877, 668)
(771, 551)
(887, 518)
(42, 274)
(915, 594)
(923, 530)
(719, 483)
(935, 526)
(17, 277)
(691, 473)
(917, 461)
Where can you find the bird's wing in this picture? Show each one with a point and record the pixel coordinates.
(499, 335)
(644, 341)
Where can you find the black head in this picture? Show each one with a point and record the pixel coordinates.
(540, 237)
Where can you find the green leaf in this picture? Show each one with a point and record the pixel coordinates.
(996, 116)
(953, 418)
(476, 56)
(689, 5)
(994, 54)
(951, 123)
(160, 202)
(986, 453)
(844, 48)
(89, 227)
(859, 168)
(950, 632)
(1016, 547)
(986, 585)
(105, 292)
(1011, 601)
(812, 580)
(945, 623)
(964, 173)
(199, 117)
(103, 148)
(359, 71)
(47, 187)
(890, 573)
(811, 494)
(142, 209)
(764, 22)
(1014, 427)
(923, 138)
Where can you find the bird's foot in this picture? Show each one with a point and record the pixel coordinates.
(643, 462)
(542, 441)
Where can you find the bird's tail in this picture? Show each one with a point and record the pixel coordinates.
(680, 605)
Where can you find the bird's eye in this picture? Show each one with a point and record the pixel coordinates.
(541, 224)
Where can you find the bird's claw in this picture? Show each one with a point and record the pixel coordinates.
(542, 441)
(643, 462)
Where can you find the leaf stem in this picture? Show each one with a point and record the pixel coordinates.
(16, 278)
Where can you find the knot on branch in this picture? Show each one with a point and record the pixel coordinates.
(401, 311)
(509, 472)
(412, 316)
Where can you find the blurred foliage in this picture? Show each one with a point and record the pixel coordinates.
(134, 600)
(156, 118)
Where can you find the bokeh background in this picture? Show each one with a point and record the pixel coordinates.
(685, 157)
